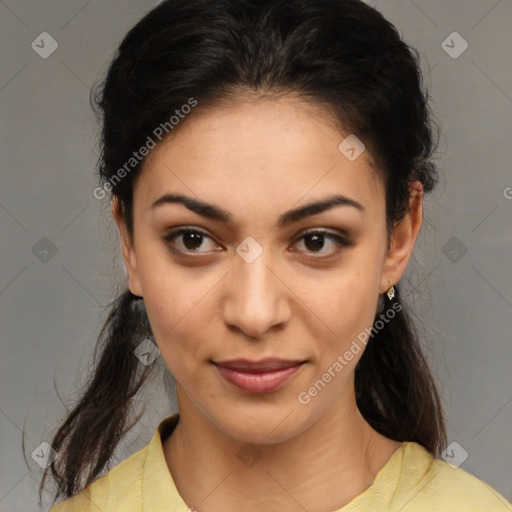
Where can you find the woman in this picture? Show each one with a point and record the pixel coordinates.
(267, 162)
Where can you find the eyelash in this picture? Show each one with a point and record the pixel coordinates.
(340, 241)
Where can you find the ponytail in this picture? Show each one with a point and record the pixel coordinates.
(395, 390)
(87, 438)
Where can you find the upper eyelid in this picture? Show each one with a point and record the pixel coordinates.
(340, 232)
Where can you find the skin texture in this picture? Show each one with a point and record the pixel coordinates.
(258, 159)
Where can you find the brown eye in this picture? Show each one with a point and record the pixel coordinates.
(315, 241)
(191, 240)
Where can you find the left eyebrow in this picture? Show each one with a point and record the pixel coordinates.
(217, 213)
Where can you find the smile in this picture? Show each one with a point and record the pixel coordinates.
(257, 379)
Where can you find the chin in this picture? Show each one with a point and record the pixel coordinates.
(261, 424)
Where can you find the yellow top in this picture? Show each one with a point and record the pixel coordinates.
(411, 481)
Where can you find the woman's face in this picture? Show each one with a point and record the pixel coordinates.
(256, 287)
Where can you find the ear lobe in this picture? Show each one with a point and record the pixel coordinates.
(127, 247)
(404, 236)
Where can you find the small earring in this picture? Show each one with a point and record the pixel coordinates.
(391, 293)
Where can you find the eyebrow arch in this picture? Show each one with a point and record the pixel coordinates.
(211, 211)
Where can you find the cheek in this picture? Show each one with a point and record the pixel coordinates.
(175, 331)
(176, 301)
(346, 302)
(169, 291)
(349, 310)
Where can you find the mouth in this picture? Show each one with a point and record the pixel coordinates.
(258, 376)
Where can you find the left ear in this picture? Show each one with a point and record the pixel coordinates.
(403, 238)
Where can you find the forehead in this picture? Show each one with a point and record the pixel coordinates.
(253, 154)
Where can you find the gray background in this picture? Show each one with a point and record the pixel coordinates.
(52, 305)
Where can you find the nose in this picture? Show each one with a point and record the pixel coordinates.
(257, 298)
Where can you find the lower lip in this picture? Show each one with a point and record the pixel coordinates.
(258, 382)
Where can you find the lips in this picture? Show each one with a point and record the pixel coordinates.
(258, 376)
(266, 365)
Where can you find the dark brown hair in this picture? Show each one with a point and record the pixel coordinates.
(341, 54)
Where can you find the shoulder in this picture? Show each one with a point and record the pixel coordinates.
(427, 483)
(120, 487)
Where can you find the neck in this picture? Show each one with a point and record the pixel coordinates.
(330, 462)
